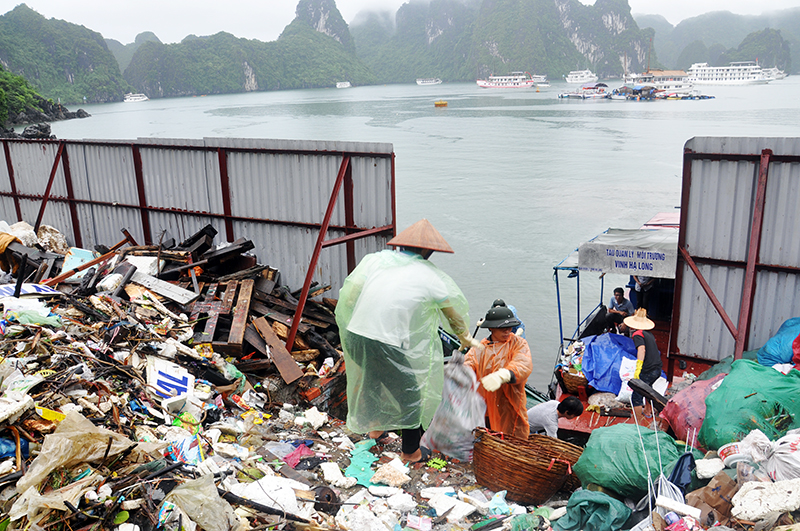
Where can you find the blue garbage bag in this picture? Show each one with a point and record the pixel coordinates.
(778, 348)
(601, 360)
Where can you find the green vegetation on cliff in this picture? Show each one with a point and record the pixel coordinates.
(63, 61)
(223, 64)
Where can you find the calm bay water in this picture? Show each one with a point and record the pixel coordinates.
(513, 179)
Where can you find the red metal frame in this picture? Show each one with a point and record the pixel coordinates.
(344, 169)
(49, 187)
(741, 330)
(12, 182)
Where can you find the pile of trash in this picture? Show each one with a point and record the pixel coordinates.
(149, 387)
(735, 462)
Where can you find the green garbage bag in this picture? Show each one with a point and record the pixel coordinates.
(724, 365)
(613, 458)
(597, 511)
(751, 397)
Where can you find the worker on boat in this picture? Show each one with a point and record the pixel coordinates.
(648, 359)
(503, 366)
(618, 309)
(544, 416)
(388, 315)
(519, 329)
(643, 285)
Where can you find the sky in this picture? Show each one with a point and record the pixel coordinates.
(172, 20)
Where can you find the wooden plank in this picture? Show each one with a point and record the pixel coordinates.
(254, 339)
(262, 309)
(307, 312)
(229, 296)
(163, 288)
(286, 365)
(236, 337)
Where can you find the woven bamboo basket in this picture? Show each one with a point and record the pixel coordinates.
(531, 471)
(573, 380)
(563, 450)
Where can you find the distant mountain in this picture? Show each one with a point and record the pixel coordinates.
(63, 61)
(767, 46)
(315, 50)
(124, 52)
(461, 40)
(716, 30)
(429, 40)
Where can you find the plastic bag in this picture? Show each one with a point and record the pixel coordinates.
(780, 459)
(602, 358)
(75, 441)
(461, 410)
(597, 511)
(778, 348)
(613, 458)
(751, 397)
(686, 410)
(199, 499)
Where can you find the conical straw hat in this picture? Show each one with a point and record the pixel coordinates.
(639, 321)
(421, 234)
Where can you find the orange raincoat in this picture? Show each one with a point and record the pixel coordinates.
(506, 408)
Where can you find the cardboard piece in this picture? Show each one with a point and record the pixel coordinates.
(714, 500)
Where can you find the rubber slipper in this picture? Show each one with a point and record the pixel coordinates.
(426, 455)
(383, 438)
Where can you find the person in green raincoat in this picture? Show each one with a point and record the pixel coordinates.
(389, 311)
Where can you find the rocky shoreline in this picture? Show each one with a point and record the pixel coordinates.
(38, 119)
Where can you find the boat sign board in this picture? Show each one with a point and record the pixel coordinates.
(650, 253)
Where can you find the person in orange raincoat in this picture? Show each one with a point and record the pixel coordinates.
(503, 366)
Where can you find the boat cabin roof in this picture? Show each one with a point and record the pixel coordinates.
(651, 250)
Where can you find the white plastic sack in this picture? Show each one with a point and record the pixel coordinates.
(783, 462)
(75, 441)
(461, 410)
(200, 500)
(625, 393)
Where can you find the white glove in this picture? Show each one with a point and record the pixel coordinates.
(492, 382)
(519, 332)
(467, 342)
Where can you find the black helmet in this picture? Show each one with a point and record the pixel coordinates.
(500, 317)
(498, 302)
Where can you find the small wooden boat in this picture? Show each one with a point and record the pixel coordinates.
(440, 103)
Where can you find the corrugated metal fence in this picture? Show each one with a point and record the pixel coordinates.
(738, 276)
(273, 192)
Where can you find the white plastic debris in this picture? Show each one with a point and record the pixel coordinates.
(316, 418)
(383, 492)
(442, 503)
(481, 505)
(430, 492)
(756, 500)
(388, 474)
(708, 468)
(558, 513)
(334, 476)
(402, 502)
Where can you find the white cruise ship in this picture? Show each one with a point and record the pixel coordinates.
(429, 81)
(670, 81)
(130, 97)
(740, 73)
(512, 80)
(581, 76)
(774, 73)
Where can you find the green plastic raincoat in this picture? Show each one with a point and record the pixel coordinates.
(388, 314)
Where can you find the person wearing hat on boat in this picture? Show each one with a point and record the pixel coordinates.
(648, 358)
(503, 366)
(388, 314)
(520, 329)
